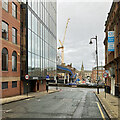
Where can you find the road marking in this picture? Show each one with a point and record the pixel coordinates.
(38, 100)
(101, 111)
(6, 111)
(27, 99)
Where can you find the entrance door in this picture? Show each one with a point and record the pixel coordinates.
(113, 86)
(38, 85)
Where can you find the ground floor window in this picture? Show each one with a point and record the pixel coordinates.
(14, 84)
(41, 81)
(4, 85)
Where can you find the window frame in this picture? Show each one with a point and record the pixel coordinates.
(6, 57)
(14, 11)
(14, 84)
(41, 81)
(15, 62)
(6, 4)
(5, 29)
(15, 36)
(6, 87)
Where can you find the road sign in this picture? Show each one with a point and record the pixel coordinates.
(47, 77)
(27, 77)
(105, 75)
(107, 71)
(111, 40)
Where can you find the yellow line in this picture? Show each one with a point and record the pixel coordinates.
(101, 111)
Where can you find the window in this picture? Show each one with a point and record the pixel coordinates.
(4, 59)
(14, 61)
(14, 10)
(4, 85)
(4, 30)
(14, 35)
(14, 84)
(5, 4)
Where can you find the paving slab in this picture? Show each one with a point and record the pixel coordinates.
(110, 104)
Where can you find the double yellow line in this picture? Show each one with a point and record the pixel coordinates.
(101, 111)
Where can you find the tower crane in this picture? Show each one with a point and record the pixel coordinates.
(62, 43)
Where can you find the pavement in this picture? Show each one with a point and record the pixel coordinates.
(110, 104)
(22, 97)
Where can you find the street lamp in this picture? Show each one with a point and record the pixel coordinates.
(95, 38)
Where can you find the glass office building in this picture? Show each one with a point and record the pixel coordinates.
(41, 39)
(42, 42)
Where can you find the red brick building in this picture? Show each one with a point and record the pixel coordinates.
(101, 70)
(28, 46)
(10, 48)
(112, 58)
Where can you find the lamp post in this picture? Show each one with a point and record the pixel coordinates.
(95, 38)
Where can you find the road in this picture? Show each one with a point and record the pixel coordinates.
(68, 103)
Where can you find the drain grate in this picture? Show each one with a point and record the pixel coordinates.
(112, 102)
(115, 105)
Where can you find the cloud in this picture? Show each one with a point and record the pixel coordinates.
(87, 20)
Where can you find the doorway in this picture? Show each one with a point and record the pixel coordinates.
(37, 85)
(113, 86)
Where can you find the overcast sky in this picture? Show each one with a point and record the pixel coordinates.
(87, 19)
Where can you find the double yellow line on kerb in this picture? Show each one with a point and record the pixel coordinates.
(101, 111)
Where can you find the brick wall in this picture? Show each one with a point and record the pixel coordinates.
(10, 75)
(11, 91)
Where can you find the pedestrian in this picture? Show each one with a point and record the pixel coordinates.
(47, 86)
(57, 78)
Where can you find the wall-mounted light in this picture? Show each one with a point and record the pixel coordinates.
(18, 54)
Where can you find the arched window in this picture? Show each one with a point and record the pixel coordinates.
(4, 59)
(14, 61)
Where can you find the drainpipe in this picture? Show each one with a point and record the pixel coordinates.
(117, 61)
(118, 49)
(26, 23)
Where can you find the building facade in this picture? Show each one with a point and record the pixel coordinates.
(10, 48)
(112, 58)
(101, 70)
(88, 74)
(82, 74)
(38, 44)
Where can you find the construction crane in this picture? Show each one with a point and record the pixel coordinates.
(62, 43)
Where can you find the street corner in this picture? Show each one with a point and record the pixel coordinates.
(53, 91)
(14, 99)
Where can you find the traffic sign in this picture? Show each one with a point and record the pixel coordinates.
(107, 71)
(105, 75)
(27, 77)
(47, 77)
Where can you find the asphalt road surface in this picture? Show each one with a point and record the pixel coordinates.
(68, 103)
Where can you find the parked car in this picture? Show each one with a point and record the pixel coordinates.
(92, 84)
(102, 84)
(71, 84)
(95, 84)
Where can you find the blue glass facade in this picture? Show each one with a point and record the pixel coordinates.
(42, 40)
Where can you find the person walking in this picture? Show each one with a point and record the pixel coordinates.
(47, 86)
(57, 78)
